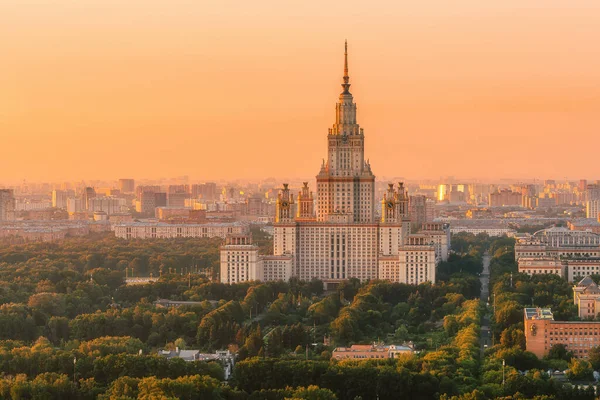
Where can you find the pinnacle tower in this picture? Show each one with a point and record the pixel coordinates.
(346, 84)
(345, 184)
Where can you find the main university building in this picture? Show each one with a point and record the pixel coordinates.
(337, 236)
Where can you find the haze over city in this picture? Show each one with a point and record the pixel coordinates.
(276, 200)
(230, 90)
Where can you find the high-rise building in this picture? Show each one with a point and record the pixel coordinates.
(177, 199)
(178, 189)
(127, 185)
(88, 194)
(592, 209)
(505, 198)
(338, 237)
(146, 189)
(7, 205)
(75, 205)
(59, 198)
(148, 201)
(109, 205)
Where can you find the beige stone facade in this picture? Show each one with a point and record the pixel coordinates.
(586, 296)
(334, 235)
(541, 265)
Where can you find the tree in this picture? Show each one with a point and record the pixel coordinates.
(594, 357)
(559, 352)
(580, 370)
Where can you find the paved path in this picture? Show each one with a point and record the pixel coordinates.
(485, 337)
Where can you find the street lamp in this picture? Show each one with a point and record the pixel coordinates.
(74, 364)
(503, 373)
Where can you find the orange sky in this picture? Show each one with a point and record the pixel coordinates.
(246, 89)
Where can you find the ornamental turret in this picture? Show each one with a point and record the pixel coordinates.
(305, 204)
(284, 208)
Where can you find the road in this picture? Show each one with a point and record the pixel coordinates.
(485, 338)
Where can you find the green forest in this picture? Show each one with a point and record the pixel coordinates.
(71, 328)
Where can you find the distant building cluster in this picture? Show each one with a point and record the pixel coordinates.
(567, 253)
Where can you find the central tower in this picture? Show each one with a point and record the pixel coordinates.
(345, 183)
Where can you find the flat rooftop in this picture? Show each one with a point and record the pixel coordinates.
(538, 313)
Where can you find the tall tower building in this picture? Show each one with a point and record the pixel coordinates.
(345, 183)
(337, 237)
(7, 205)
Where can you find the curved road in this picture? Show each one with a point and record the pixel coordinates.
(485, 338)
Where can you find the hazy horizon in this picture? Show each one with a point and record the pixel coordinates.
(99, 90)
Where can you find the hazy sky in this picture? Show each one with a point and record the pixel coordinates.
(245, 89)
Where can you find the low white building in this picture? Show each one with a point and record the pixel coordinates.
(490, 231)
(582, 267)
(224, 357)
(414, 264)
(156, 230)
(240, 262)
(542, 265)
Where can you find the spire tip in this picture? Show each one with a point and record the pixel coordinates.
(346, 84)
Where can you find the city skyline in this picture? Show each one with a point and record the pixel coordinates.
(478, 93)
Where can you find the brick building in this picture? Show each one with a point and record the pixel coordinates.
(542, 332)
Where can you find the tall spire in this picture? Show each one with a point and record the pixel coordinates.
(346, 85)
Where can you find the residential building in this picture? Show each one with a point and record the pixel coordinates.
(505, 197)
(148, 201)
(126, 185)
(59, 198)
(542, 332)
(592, 209)
(75, 205)
(167, 213)
(7, 205)
(109, 205)
(177, 199)
(88, 194)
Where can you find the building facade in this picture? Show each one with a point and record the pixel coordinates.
(126, 185)
(542, 332)
(241, 262)
(586, 296)
(505, 198)
(161, 230)
(370, 351)
(334, 235)
(7, 205)
(541, 265)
